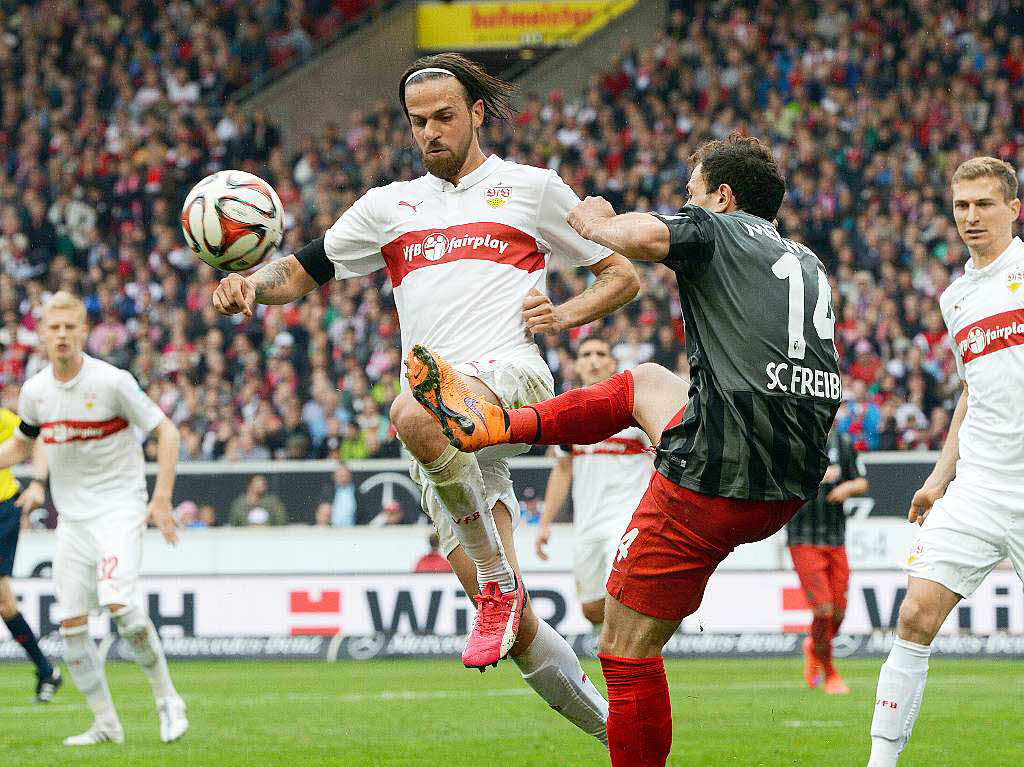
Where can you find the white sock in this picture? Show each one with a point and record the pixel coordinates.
(86, 667)
(459, 485)
(897, 701)
(552, 669)
(138, 630)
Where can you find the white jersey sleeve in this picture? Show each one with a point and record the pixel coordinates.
(957, 358)
(27, 411)
(353, 242)
(135, 405)
(560, 239)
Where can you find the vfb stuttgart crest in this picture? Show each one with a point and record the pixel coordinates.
(497, 196)
(1014, 279)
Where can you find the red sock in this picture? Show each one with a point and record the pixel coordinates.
(821, 636)
(639, 711)
(578, 417)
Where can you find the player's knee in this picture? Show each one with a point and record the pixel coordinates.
(824, 610)
(594, 612)
(8, 602)
(411, 420)
(918, 619)
(650, 377)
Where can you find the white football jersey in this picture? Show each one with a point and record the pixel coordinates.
(462, 258)
(608, 481)
(95, 457)
(984, 312)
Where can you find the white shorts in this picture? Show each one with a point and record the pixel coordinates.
(971, 529)
(97, 562)
(515, 383)
(592, 564)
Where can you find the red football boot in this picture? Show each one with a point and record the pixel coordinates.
(496, 625)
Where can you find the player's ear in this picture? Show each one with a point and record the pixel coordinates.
(476, 113)
(1015, 207)
(726, 200)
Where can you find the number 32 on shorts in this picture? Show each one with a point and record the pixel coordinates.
(106, 568)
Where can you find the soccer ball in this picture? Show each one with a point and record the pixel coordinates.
(232, 219)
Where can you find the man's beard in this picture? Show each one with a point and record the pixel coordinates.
(446, 166)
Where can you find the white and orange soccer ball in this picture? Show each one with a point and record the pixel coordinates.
(232, 220)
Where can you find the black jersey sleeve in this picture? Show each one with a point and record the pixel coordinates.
(691, 240)
(314, 260)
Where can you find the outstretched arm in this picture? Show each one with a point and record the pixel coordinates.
(638, 236)
(279, 282)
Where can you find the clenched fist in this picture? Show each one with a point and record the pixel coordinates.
(540, 315)
(589, 212)
(235, 294)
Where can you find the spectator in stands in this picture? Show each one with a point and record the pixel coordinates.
(390, 514)
(256, 507)
(433, 561)
(338, 502)
(207, 516)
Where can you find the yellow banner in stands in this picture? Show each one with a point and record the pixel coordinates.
(491, 25)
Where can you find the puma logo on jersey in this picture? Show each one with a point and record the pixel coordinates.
(410, 205)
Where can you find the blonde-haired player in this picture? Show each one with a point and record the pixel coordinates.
(607, 480)
(85, 411)
(973, 522)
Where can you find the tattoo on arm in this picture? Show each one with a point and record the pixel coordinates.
(270, 278)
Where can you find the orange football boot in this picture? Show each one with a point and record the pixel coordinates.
(470, 423)
(812, 666)
(834, 684)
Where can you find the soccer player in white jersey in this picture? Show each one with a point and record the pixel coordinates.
(607, 481)
(467, 247)
(87, 412)
(971, 522)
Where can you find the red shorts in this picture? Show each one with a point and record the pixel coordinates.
(676, 539)
(824, 573)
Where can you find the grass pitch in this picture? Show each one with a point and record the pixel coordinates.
(746, 713)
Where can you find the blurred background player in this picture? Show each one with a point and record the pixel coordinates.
(433, 561)
(12, 502)
(971, 523)
(467, 248)
(85, 411)
(816, 536)
(607, 481)
(735, 461)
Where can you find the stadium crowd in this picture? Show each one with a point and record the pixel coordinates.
(869, 106)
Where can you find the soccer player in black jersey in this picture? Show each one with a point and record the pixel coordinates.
(816, 536)
(740, 449)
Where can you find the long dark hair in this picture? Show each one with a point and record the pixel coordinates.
(480, 86)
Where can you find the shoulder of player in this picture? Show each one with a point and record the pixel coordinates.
(523, 177)
(951, 295)
(37, 381)
(529, 172)
(101, 370)
(398, 190)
